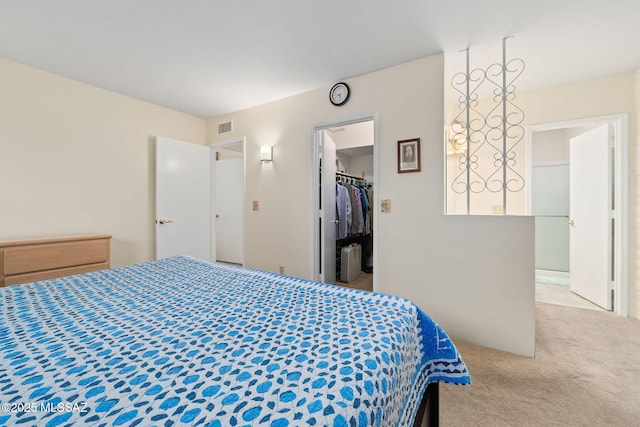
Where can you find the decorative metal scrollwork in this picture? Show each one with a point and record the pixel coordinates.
(484, 136)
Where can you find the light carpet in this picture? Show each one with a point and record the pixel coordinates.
(586, 372)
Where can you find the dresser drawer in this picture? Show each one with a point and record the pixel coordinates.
(24, 261)
(16, 279)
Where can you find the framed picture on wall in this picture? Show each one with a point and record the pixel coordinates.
(409, 155)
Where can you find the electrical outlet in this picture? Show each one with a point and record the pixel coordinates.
(282, 269)
(385, 205)
(256, 205)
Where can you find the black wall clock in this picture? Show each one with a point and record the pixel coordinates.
(339, 94)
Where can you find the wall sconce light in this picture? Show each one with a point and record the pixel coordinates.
(266, 153)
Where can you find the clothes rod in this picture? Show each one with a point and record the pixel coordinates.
(350, 176)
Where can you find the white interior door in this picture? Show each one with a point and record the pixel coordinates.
(229, 197)
(590, 207)
(328, 208)
(183, 199)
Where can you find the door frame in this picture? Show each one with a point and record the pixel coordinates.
(314, 249)
(620, 123)
(220, 146)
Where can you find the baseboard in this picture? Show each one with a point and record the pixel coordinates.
(552, 277)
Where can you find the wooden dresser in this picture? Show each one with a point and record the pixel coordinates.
(24, 261)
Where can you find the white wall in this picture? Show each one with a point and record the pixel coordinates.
(76, 159)
(343, 162)
(362, 166)
(473, 274)
(550, 146)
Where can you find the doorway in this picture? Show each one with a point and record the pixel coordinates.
(343, 188)
(577, 172)
(229, 196)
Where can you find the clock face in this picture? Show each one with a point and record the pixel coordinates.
(339, 94)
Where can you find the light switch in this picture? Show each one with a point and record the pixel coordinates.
(256, 205)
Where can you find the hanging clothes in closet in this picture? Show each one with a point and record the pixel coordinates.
(343, 211)
(354, 214)
(353, 209)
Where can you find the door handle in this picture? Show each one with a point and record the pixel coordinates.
(165, 221)
(571, 223)
(336, 221)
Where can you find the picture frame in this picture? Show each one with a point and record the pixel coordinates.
(409, 155)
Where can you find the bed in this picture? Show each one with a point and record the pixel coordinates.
(190, 342)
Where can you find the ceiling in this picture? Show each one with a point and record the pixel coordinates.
(208, 58)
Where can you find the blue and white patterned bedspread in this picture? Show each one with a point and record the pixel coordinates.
(188, 342)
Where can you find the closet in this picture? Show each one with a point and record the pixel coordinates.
(354, 203)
